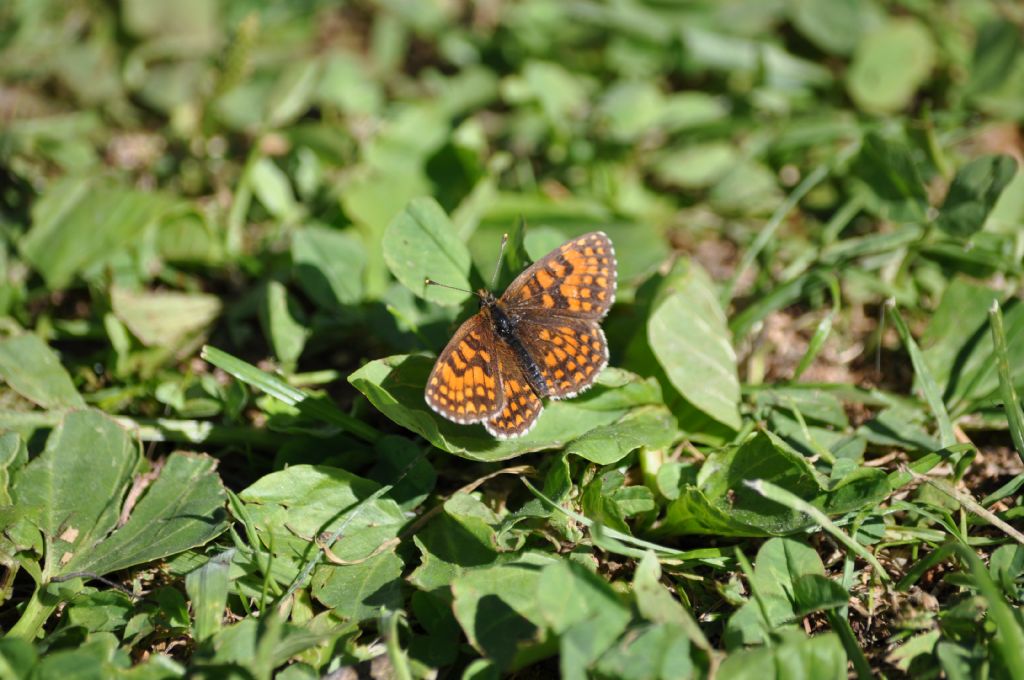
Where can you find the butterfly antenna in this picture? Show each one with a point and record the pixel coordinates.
(497, 267)
(432, 282)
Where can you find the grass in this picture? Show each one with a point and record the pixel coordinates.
(215, 223)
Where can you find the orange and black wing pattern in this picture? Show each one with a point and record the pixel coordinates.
(521, 406)
(577, 280)
(569, 352)
(465, 385)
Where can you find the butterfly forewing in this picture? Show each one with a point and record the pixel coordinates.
(576, 279)
(465, 385)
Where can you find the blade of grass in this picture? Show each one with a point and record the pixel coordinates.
(821, 333)
(767, 233)
(282, 391)
(1011, 402)
(928, 385)
(794, 502)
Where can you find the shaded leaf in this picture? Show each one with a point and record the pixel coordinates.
(33, 370)
(974, 192)
(184, 508)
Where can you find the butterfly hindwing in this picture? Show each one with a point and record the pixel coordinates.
(569, 352)
(522, 406)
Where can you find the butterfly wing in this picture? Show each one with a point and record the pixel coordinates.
(465, 385)
(570, 353)
(522, 406)
(576, 280)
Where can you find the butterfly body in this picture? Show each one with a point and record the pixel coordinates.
(541, 338)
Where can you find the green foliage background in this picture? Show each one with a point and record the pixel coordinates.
(215, 220)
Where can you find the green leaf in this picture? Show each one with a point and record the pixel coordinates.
(184, 508)
(688, 333)
(163, 318)
(207, 588)
(421, 243)
(358, 591)
(837, 26)
(394, 385)
(283, 323)
(73, 489)
(889, 181)
(329, 265)
(974, 192)
(583, 609)
(460, 538)
(780, 564)
(649, 653)
(890, 64)
(290, 508)
(33, 370)
(821, 656)
(657, 604)
(78, 224)
(273, 189)
(499, 611)
(653, 427)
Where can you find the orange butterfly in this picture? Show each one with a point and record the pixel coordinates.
(541, 338)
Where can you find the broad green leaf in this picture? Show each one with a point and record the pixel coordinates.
(394, 385)
(780, 564)
(184, 508)
(273, 189)
(821, 656)
(291, 507)
(957, 344)
(888, 179)
(74, 488)
(499, 611)
(79, 223)
(284, 323)
(696, 167)
(653, 427)
(974, 192)
(583, 609)
(836, 26)
(163, 318)
(460, 538)
(329, 265)
(997, 50)
(657, 604)
(358, 591)
(721, 503)
(890, 64)
(655, 652)
(33, 370)
(688, 333)
(421, 243)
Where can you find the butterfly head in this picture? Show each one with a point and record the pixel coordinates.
(487, 299)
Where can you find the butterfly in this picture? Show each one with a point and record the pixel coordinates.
(541, 338)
